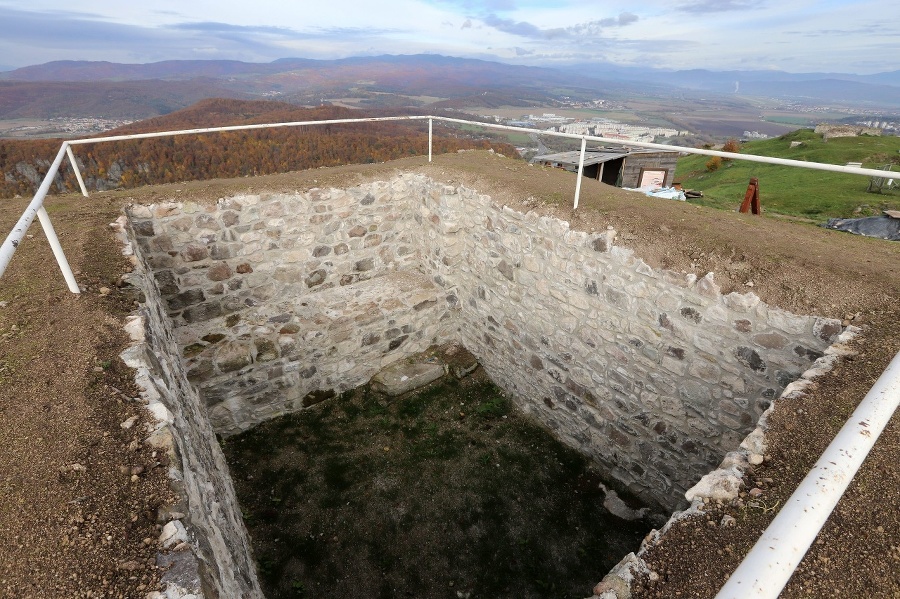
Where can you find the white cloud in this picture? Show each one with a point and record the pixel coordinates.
(805, 35)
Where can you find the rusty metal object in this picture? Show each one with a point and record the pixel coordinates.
(751, 198)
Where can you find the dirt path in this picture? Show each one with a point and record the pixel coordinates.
(73, 523)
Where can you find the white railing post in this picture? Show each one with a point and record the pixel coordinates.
(769, 565)
(36, 208)
(77, 172)
(429, 139)
(50, 232)
(580, 172)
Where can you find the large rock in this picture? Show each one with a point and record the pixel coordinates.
(401, 377)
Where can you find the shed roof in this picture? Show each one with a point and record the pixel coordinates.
(590, 157)
(593, 156)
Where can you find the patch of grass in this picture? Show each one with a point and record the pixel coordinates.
(373, 408)
(494, 407)
(442, 445)
(794, 191)
(351, 410)
(448, 488)
(336, 472)
(298, 588)
(412, 407)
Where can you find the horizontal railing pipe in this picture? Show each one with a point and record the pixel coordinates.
(243, 128)
(869, 172)
(771, 562)
(850, 170)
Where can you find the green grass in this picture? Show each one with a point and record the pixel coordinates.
(516, 139)
(443, 490)
(794, 191)
(790, 120)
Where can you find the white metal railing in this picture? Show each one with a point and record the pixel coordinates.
(769, 565)
(35, 208)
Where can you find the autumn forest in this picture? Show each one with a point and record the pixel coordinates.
(132, 163)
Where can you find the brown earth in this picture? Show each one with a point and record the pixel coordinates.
(68, 532)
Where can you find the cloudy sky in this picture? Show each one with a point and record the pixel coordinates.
(853, 36)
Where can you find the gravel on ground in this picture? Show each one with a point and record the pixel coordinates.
(75, 521)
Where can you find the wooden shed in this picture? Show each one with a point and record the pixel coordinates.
(619, 166)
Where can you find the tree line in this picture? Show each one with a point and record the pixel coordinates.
(132, 163)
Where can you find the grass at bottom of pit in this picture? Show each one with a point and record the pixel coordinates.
(446, 492)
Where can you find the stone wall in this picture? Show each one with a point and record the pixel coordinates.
(282, 300)
(208, 518)
(722, 485)
(829, 131)
(653, 373)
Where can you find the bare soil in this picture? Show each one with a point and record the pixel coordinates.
(78, 492)
(72, 532)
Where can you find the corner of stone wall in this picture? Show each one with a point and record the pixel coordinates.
(199, 562)
(724, 483)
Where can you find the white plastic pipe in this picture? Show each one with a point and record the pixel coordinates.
(640, 144)
(77, 172)
(580, 172)
(50, 232)
(34, 208)
(430, 122)
(243, 128)
(821, 166)
(769, 565)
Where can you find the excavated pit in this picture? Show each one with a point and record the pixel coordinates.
(281, 302)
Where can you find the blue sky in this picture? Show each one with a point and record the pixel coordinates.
(860, 36)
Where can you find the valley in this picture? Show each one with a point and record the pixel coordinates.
(44, 100)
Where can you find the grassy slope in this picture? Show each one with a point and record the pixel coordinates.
(799, 192)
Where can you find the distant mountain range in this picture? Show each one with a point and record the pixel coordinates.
(81, 88)
(880, 89)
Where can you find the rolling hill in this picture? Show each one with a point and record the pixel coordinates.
(799, 192)
(132, 163)
(106, 99)
(110, 89)
(877, 90)
(143, 90)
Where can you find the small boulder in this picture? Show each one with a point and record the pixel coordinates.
(401, 377)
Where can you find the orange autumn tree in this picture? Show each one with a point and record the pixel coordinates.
(132, 163)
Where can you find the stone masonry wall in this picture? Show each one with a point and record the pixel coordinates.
(283, 301)
(655, 374)
(829, 131)
(208, 517)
